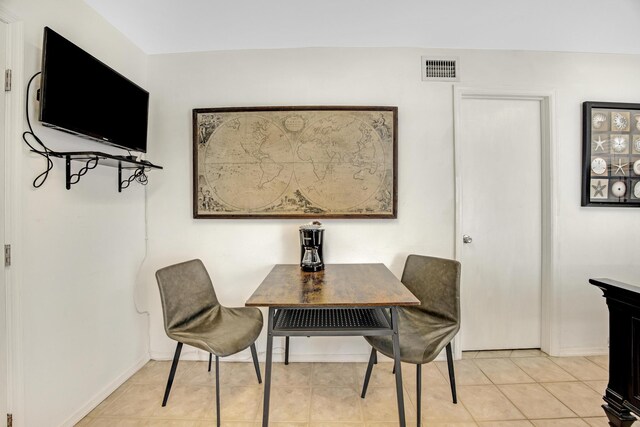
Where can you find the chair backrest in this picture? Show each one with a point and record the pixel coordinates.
(186, 291)
(436, 283)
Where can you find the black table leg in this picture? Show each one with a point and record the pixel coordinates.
(398, 367)
(286, 350)
(267, 369)
(367, 376)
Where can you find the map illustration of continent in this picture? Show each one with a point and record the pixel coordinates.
(295, 162)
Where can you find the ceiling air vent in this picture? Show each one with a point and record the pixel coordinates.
(440, 69)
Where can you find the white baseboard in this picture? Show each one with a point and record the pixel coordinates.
(104, 393)
(584, 351)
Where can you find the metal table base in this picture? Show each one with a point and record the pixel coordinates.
(338, 321)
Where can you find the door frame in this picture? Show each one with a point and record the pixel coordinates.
(14, 122)
(550, 303)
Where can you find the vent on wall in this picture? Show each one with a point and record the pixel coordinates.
(440, 69)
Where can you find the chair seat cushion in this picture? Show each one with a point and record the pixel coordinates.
(422, 336)
(222, 331)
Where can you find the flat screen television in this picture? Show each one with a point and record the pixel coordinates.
(82, 95)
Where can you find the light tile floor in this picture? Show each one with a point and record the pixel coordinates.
(495, 388)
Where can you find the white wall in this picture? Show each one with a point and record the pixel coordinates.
(80, 249)
(593, 242)
(167, 26)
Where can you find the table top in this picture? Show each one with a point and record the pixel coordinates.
(338, 285)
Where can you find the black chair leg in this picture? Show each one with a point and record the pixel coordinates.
(375, 358)
(210, 354)
(452, 376)
(254, 356)
(419, 392)
(172, 373)
(218, 390)
(367, 376)
(286, 350)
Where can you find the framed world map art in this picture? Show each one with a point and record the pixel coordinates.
(295, 162)
(611, 154)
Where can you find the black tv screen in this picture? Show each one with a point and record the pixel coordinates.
(84, 96)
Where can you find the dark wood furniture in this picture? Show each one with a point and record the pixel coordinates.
(341, 300)
(622, 396)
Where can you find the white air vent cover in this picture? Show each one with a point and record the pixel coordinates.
(441, 69)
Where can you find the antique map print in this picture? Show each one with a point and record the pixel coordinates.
(295, 162)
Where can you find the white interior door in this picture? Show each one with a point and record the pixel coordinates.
(499, 172)
(3, 293)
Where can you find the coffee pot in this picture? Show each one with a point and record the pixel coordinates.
(311, 237)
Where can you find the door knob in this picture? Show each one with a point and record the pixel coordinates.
(466, 238)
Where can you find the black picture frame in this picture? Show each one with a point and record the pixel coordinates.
(610, 154)
(379, 122)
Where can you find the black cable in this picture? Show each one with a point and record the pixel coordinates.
(139, 176)
(40, 179)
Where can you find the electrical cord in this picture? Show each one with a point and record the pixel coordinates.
(46, 152)
(139, 176)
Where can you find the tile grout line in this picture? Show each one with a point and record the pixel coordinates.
(606, 368)
(497, 386)
(554, 362)
(603, 391)
(545, 389)
(559, 367)
(459, 403)
(310, 395)
(500, 391)
(580, 382)
(514, 364)
(584, 357)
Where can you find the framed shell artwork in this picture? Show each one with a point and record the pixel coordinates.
(611, 154)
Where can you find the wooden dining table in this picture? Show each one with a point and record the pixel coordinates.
(341, 300)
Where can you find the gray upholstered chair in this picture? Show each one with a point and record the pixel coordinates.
(425, 329)
(193, 316)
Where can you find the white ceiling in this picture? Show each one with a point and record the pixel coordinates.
(166, 26)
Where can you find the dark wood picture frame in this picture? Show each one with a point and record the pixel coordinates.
(610, 154)
(363, 139)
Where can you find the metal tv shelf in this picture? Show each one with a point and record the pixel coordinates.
(92, 159)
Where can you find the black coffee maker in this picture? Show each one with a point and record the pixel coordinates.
(311, 237)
